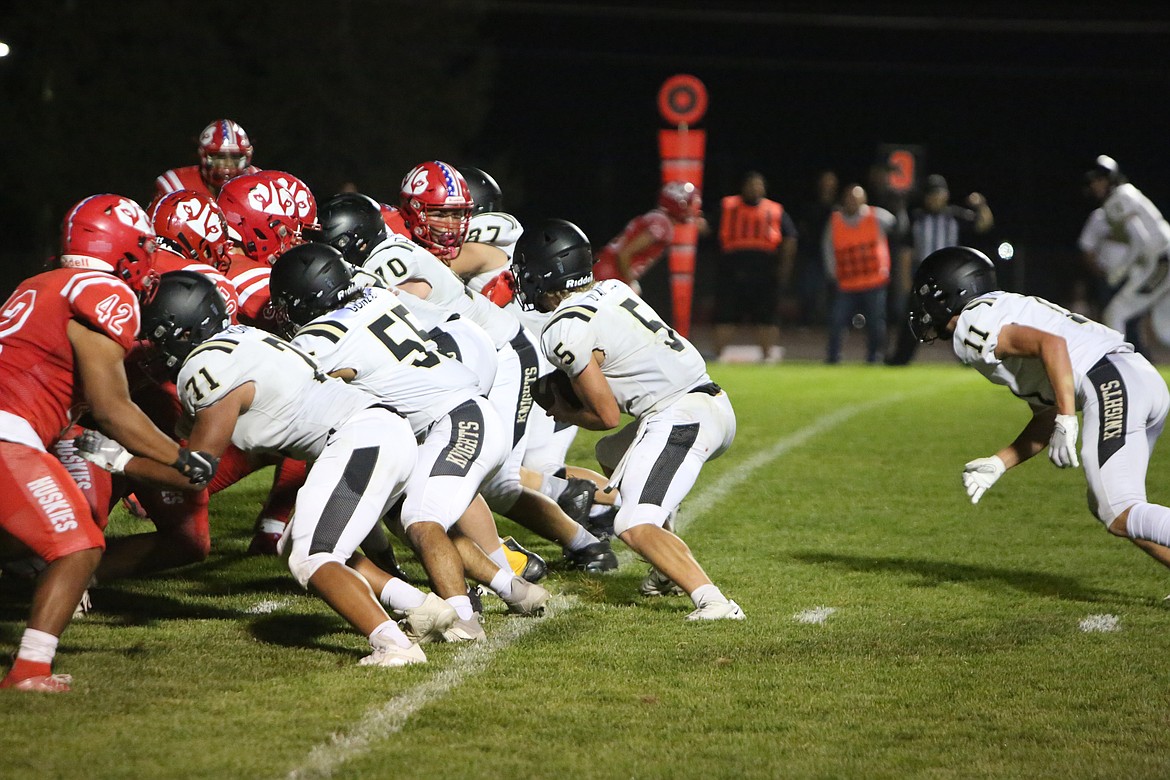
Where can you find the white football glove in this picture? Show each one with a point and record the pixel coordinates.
(102, 451)
(1062, 447)
(980, 474)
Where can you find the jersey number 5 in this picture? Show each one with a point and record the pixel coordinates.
(655, 325)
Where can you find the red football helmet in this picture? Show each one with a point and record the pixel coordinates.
(266, 212)
(224, 152)
(194, 225)
(110, 233)
(436, 207)
(680, 200)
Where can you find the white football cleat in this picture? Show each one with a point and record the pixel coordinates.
(84, 606)
(428, 621)
(527, 598)
(465, 631)
(656, 583)
(393, 655)
(718, 610)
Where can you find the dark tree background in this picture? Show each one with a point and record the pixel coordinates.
(557, 100)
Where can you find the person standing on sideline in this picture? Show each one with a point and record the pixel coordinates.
(857, 260)
(938, 224)
(810, 285)
(758, 241)
(1058, 362)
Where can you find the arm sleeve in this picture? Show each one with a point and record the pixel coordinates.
(106, 304)
(568, 344)
(208, 375)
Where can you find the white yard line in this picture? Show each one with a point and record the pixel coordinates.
(390, 718)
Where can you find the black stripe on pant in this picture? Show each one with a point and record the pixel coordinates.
(529, 370)
(465, 444)
(343, 502)
(1114, 408)
(678, 444)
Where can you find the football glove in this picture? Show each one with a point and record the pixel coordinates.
(1062, 447)
(102, 451)
(980, 474)
(196, 465)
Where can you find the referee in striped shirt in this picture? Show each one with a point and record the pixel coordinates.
(936, 225)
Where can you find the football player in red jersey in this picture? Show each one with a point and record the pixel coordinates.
(266, 212)
(192, 230)
(192, 235)
(630, 254)
(224, 153)
(436, 208)
(63, 337)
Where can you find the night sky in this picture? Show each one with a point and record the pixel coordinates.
(558, 101)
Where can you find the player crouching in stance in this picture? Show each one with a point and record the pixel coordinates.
(618, 356)
(64, 335)
(240, 385)
(1059, 362)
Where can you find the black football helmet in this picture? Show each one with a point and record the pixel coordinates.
(550, 257)
(352, 224)
(945, 282)
(307, 281)
(485, 193)
(186, 310)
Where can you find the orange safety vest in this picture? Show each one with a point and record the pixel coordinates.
(750, 228)
(863, 255)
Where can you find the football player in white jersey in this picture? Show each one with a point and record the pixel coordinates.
(368, 338)
(1058, 362)
(246, 387)
(406, 265)
(1144, 270)
(483, 263)
(620, 357)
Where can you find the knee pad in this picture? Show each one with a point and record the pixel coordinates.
(639, 514)
(502, 495)
(303, 567)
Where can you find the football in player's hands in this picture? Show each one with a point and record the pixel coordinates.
(556, 384)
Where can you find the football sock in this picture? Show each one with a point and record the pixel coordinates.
(387, 634)
(35, 656)
(600, 509)
(462, 606)
(400, 595)
(553, 486)
(582, 539)
(706, 594)
(502, 583)
(499, 558)
(1150, 522)
(37, 646)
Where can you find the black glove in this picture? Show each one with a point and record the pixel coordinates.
(197, 466)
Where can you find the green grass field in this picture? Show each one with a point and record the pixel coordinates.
(893, 630)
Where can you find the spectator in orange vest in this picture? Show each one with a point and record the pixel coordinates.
(857, 259)
(758, 240)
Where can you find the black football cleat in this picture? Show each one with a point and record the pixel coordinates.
(525, 563)
(593, 558)
(601, 525)
(577, 498)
